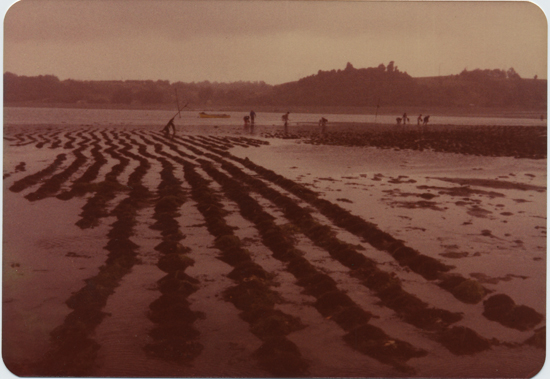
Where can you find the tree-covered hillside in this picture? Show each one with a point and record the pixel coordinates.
(382, 85)
(388, 86)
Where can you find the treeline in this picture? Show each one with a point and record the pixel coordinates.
(387, 86)
(382, 85)
(49, 89)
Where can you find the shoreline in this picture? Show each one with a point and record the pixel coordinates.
(384, 110)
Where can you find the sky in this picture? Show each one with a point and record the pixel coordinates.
(268, 40)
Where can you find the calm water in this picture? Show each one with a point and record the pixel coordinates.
(69, 116)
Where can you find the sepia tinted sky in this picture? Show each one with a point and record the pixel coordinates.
(274, 41)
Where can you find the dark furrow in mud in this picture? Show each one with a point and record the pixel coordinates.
(44, 140)
(220, 141)
(73, 350)
(21, 166)
(18, 137)
(83, 185)
(51, 186)
(95, 207)
(417, 313)
(56, 140)
(71, 139)
(28, 139)
(174, 338)
(331, 302)
(386, 286)
(172, 146)
(31, 180)
(252, 295)
(465, 290)
(214, 143)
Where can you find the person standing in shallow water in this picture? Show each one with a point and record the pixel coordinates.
(323, 124)
(246, 119)
(285, 119)
(252, 117)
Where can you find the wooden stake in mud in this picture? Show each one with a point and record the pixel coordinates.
(376, 114)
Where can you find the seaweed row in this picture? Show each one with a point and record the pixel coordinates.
(41, 144)
(27, 140)
(466, 290)
(174, 337)
(330, 302)
(500, 141)
(18, 168)
(459, 340)
(56, 141)
(73, 350)
(416, 312)
(96, 206)
(216, 143)
(83, 184)
(71, 139)
(252, 295)
(31, 180)
(385, 285)
(51, 186)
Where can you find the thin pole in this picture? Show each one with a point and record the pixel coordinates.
(179, 109)
(177, 102)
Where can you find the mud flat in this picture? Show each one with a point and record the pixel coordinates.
(363, 251)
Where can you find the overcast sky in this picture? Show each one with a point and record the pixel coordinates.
(273, 41)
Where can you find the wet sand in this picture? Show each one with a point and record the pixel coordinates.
(364, 251)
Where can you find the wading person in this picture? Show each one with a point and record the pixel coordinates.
(252, 117)
(285, 119)
(246, 119)
(419, 120)
(323, 124)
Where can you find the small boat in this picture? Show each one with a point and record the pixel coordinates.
(206, 115)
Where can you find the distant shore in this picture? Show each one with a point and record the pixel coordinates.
(383, 110)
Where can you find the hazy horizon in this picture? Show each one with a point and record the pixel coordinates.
(236, 81)
(275, 42)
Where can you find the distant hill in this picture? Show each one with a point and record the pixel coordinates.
(351, 87)
(387, 86)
